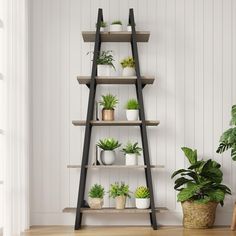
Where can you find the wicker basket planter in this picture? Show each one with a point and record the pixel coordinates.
(198, 216)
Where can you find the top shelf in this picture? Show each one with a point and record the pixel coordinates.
(119, 36)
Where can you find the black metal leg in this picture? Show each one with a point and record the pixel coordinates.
(88, 127)
(142, 118)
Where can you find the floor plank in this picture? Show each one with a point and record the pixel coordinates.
(126, 231)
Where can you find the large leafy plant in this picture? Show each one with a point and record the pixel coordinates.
(108, 144)
(132, 148)
(228, 138)
(201, 182)
(108, 102)
(119, 189)
(96, 191)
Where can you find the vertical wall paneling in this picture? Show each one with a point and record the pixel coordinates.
(191, 53)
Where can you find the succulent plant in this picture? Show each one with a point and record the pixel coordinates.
(116, 22)
(131, 148)
(108, 144)
(128, 62)
(142, 192)
(108, 102)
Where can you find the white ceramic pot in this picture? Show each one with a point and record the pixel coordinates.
(142, 203)
(128, 71)
(104, 70)
(131, 159)
(132, 114)
(129, 28)
(102, 29)
(107, 157)
(116, 27)
(95, 203)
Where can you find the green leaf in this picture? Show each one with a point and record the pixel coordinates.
(187, 193)
(233, 153)
(204, 200)
(190, 154)
(233, 114)
(178, 172)
(180, 181)
(216, 195)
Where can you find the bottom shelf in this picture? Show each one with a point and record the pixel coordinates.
(114, 210)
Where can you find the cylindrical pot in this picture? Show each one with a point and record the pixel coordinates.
(116, 27)
(108, 115)
(120, 202)
(198, 216)
(132, 114)
(107, 157)
(95, 203)
(142, 203)
(129, 28)
(131, 159)
(104, 70)
(102, 29)
(128, 71)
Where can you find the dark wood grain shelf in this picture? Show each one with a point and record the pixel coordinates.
(115, 80)
(115, 123)
(121, 36)
(114, 211)
(116, 166)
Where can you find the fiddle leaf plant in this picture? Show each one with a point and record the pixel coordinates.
(228, 138)
(201, 182)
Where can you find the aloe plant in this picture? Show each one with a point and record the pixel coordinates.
(142, 192)
(108, 102)
(201, 182)
(132, 148)
(108, 144)
(228, 138)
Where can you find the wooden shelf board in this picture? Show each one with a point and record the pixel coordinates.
(113, 210)
(115, 123)
(116, 166)
(115, 80)
(121, 36)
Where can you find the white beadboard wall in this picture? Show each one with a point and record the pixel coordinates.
(192, 54)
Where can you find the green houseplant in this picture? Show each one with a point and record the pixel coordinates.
(116, 26)
(96, 194)
(131, 150)
(119, 191)
(108, 103)
(108, 146)
(132, 109)
(103, 25)
(200, 190)
(128, 66)
(142, 197)
(105, 63)
(228, 138)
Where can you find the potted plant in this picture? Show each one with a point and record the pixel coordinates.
(142, 197)
(103, 25)
(129, 27)
(96, 194)
(119, 191)
(108, 154)
(108, 103)
(105, 63)
(200, 190)
(131, 150)
(228, 138)
(128, 66)
(132, 109)
(116, 26)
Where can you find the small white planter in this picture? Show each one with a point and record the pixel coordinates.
(107, 157)
(132, 114)
(131, 159)
(102, 29)
(128, 71)
(104, 70)
(116, 27)
(142, 203)
(129, 28)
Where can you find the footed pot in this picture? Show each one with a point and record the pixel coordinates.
(116, 27)
(198, 216)
(131, 159)
(104, 70)
(95, 203)
(128, 71)
(129, 28)
(107, 157)
(132, 114)
(120, 202)
(142, 203)
(108, 115)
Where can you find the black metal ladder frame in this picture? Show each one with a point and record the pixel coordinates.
(88, 127)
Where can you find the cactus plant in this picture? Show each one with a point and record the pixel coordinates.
(142, 192)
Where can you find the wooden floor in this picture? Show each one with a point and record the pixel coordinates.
(126, 231)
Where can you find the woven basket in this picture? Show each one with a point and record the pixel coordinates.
(198, 216)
